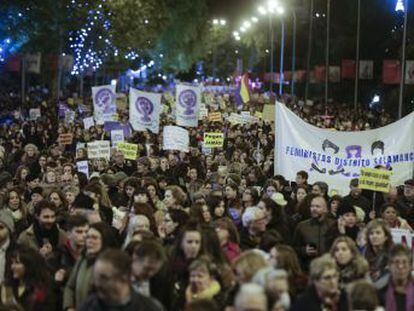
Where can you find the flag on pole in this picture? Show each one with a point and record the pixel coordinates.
(243, 91)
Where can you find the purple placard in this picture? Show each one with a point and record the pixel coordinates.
(62, 110)
(115, 125)
(112, 125)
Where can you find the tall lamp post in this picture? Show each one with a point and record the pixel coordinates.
(216, 24)
(328, 31)
(357, 55)
(403, 56)
(271, 8)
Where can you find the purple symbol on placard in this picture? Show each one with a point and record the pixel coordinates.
(145, 108)
(103, 99)
(188, 100)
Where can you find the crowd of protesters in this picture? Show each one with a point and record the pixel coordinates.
(193, 231)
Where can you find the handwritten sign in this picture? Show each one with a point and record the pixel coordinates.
(88, 123)
(213, 140)
(175, 138)
(235, 118)
(65, 139)
(215, 117)
(117, 136)
(83, 167)
(375, 179)
(99, 149)
(128, 150)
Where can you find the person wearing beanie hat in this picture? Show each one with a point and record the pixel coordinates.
(355, 197)
(347, 223)
(6, 240)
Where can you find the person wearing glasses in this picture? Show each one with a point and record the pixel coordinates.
(398, 294)
(324, 292)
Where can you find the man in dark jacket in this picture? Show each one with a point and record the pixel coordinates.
(355, 197)
(310, 238)
(112, 274)
(324, 292)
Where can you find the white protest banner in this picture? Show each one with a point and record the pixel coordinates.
(34, 113)
(99, 149)
(144, 110)
(337, 157)
(402, 236)
(83, 167)
(188, 99)
(117, 136)
(104, 103)
(366, 69)
(88, 123)
(175, 138)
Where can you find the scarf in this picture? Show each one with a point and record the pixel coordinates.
(213, 289)
(391, 304)
(52, 235)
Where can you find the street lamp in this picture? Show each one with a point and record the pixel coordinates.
(218, 23)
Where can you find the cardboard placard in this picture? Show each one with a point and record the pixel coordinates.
(128, 150)
(88, 123)
(175, 138)
(83, 167)
(99, 149)
(213, 140)
(375, 179)
(65, 138)
(215, 117)
(117, 136)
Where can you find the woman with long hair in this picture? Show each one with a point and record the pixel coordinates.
(101, 200)
(352, 266)
(217, 207)
(379, 242)
(228, 237)
(59, 200)
(27, 282)
(213, 249)
(17, 207)
(170, 226)
(187, 248)
(284, 257)
(200, 213)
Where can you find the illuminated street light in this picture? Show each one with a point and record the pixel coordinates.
(247, 24)
(280, 10)
(272, 5)
(242, 29)
(262, 10)
(235, 33)
(215, 21)
(254, 19)
(223, 22)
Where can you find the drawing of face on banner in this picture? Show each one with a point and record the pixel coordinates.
(188, 100)
(104, 99)
(145, 108)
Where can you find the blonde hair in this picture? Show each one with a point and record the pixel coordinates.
(249, 262)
